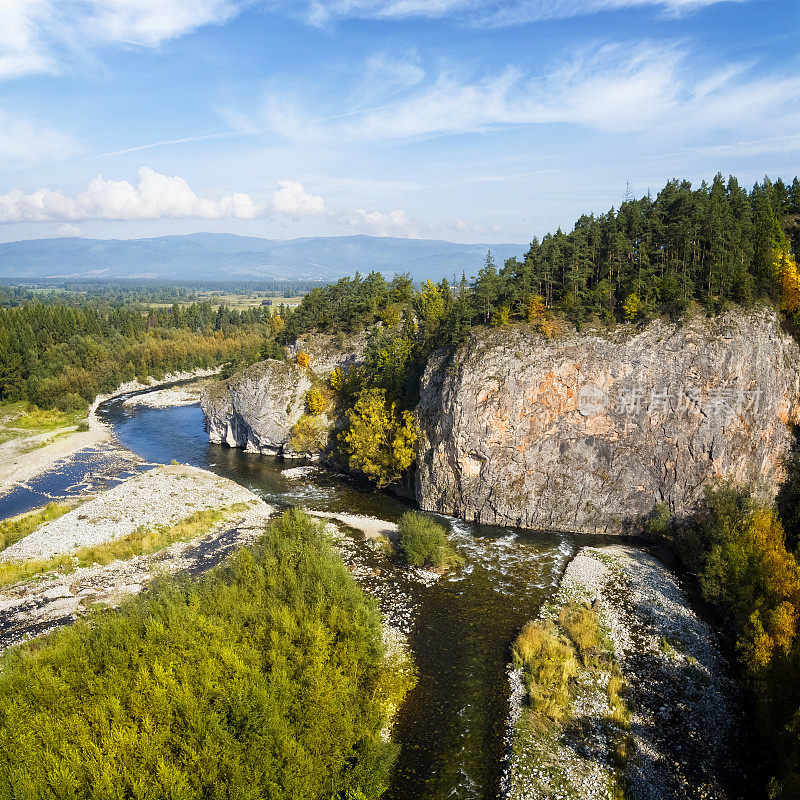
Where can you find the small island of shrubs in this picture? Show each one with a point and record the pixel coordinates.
(423, 543)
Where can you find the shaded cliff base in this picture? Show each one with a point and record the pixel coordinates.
(684, 711)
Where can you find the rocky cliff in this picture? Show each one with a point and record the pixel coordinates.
(588, 432)
(259, 408)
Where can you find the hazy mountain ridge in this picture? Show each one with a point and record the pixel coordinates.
(220, 255)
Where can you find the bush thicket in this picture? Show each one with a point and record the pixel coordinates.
(423, 543)
(264, 679)
(739, 551)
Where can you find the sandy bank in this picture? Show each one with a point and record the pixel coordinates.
(371, 527)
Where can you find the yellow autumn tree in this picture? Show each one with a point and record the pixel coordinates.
(336, 380)
(501, 317)
(785, 269)
(535, 308)
(302, 359)
(632, 307)
(380, 440)
(750, 572)
(315, 402)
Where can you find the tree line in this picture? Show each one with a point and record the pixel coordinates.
(64, 355)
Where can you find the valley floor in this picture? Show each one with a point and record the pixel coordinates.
(26, 453)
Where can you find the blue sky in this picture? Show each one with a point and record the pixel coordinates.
(468, 120)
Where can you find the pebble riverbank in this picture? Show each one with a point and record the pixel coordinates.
(162, 496)
(685, 707)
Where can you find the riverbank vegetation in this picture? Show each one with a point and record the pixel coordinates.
(144, 540)
(62, 356)
(749, 568)
(12, 530)
(423, 543)
(265, 678)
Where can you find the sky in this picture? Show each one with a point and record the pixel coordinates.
(467, 120)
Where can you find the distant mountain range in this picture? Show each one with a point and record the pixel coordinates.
(221, 256)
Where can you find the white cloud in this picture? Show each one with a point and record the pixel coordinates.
(35, 35)
(480, 12)
(155, 196)
(465, 226)
(293, 200)
(394, 223)
(68, 229)
(25, 141)
(158, 196)
(613, 89)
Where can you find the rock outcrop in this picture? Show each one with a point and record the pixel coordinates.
(588, 432)
(255, 409)
(258, 409)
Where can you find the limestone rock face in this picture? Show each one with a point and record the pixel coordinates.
(258, 408)
(588, 432)
(255, 409)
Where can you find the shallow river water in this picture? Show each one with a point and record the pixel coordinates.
(451, 726)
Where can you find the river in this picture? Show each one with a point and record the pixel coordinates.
(451, 726)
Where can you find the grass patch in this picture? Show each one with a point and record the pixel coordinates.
(12, 530)
(670, 647)
(140, 542)
(548, 666)
(583, 628)
(39, 419)
(560, 663)
(29, 447)
(261, 679)
(423, 543)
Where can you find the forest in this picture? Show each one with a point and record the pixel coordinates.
(705, 247)
(59, 355)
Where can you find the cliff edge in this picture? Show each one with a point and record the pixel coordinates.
(588, 432)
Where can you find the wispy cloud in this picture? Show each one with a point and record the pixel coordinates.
(613, 88)
(493, 13)
(25, 141)
(37, 35)
(155, 196)
(185, 140)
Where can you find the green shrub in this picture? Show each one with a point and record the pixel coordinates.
(255, 681)
(71, 402)
(315, 402)
(423, 543)
(309, 435)
(656, 525)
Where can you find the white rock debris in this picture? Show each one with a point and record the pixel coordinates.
(685, 705)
